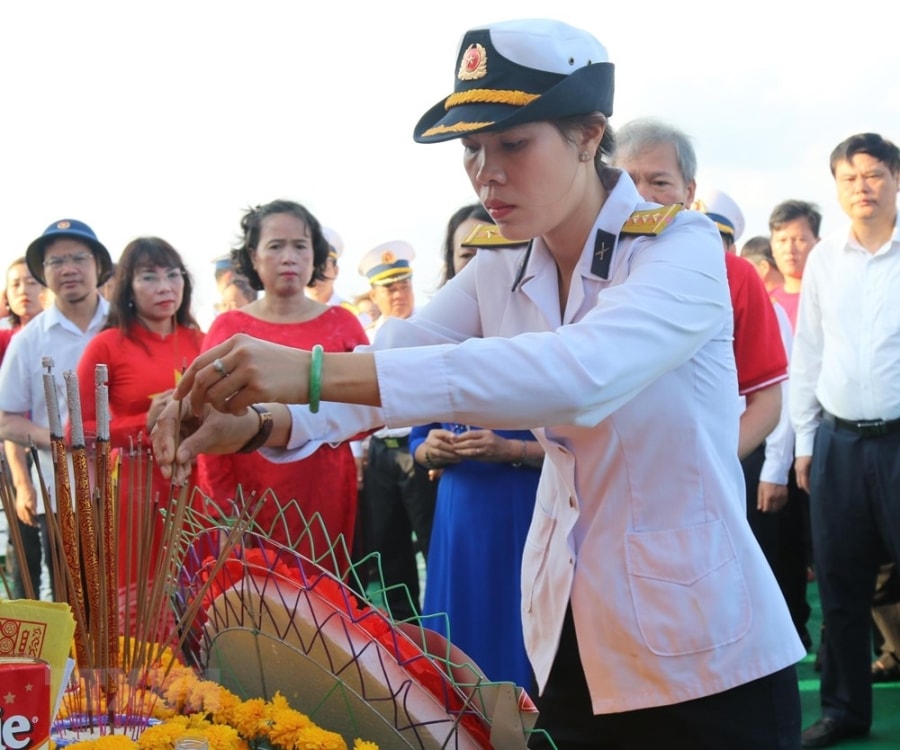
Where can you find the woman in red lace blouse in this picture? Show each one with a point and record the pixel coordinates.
(282, 251)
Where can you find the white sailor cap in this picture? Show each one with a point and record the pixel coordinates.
(723, 210)
(336, 244)
(387, 263)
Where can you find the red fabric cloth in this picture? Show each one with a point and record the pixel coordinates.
(759, 353)
(139, 366)
(5, 335)
(323, 483)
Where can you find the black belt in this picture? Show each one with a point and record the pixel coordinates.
(398, 441)
(864, 427)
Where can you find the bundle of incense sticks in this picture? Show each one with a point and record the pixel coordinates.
(8, 498)
(87, 556)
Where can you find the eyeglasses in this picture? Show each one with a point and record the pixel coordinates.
(58, 261)
(172, 277)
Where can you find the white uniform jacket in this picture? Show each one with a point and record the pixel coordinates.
(640, 516)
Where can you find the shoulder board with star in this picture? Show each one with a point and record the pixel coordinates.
(487, 235)
(651, 221)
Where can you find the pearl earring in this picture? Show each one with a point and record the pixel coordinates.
(584, 156)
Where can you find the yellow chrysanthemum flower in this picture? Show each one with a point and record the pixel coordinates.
(107, 742)
(189, 706)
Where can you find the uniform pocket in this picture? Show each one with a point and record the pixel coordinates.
(534, 554)
(688, 589)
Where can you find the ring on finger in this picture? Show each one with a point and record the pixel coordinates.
(219, 367)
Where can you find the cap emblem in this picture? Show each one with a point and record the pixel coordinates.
(473, 64)
(387, 257)
(63, 224)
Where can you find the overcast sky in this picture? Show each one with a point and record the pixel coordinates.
(169, 118)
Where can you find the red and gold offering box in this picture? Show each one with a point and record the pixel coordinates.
(36, 630)
(24, 703)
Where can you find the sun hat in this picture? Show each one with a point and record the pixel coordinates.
(521, 71)
(71, 229)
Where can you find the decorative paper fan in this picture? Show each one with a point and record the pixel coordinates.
(274, 621)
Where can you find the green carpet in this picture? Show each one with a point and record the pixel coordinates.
(886, 725)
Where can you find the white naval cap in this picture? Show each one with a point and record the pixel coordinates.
(336, 244)
(723, 210)
(387, 262)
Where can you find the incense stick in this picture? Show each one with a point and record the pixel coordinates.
(8, 492)
(155, 549)
(66, 516)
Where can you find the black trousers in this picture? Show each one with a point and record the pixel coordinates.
(855, 518)
(399, 501)
(783, 538)
(794, 556)
(764, 525)
(760, 715)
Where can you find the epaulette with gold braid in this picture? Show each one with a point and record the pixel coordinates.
(487, 235)
(651, 221)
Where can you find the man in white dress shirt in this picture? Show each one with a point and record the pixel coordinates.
(72, 263)
(845, 406)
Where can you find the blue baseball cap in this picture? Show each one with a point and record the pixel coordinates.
(72, 229)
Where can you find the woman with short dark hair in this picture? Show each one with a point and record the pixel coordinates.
(281, 251)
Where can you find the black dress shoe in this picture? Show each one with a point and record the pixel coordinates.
(827, 732)
(881, 673)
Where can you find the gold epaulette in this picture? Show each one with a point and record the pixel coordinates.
(487, 235)
(651, 221)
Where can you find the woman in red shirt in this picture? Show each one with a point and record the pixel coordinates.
(282, 252)
(151, 337)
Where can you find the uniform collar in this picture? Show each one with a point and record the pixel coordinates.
(620, 203)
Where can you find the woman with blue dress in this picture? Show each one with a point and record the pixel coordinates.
(484, 505)
(484, 508)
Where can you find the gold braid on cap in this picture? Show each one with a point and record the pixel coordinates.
(479, 96)
(490, 96)
(460, 127)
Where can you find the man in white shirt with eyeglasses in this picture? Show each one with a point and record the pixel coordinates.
(72, 263)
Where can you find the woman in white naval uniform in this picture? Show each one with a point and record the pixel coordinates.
(650, 615)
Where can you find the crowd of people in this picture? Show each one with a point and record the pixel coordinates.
(622, 441)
